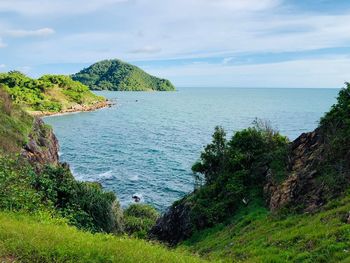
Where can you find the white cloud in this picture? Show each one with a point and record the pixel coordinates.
(2, 66)
(146, 49)
(227, 60)
(240, 5)
(327, 72)
(2, 44)
(167, 29)
(53, 7)
(31, 33)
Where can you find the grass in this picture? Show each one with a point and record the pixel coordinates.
(254, 235)
(33, 239)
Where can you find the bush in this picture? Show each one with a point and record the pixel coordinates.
(233, 172)
(139, 219)
(16, 191)
(85, 205)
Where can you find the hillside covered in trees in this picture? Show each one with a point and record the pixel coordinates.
(120, 76)
(49, 94)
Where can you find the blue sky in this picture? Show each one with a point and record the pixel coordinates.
(231, 43)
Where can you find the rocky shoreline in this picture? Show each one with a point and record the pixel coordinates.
(75, 109)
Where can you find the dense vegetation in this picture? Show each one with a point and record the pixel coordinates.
(54, 190)
(139, 219)
(121, 76)
(231, 173)
(335, 129)
(50, 93)
(40, 238)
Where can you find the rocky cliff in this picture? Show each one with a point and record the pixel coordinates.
(42, 147)
(174, 226)
(302, 188)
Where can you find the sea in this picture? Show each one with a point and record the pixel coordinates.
(146, 143)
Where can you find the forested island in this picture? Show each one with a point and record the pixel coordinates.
(258, 197)
(120, 76)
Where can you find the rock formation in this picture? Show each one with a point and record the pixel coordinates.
(42, 147)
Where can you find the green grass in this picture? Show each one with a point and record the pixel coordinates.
(31, 239)
(254, 235)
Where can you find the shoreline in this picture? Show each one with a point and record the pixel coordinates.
(75, 109)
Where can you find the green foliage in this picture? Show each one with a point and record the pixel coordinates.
(52, 93)
(15, 125)
(54, 189)
(26, 238)
(118, 75)
(86, 205)
(235, 171)
(254, 235)
(16, 191)
(335, 129)
(139, 219)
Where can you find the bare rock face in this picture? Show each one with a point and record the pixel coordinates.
(42, 147)
(174, 226)
(300, 189)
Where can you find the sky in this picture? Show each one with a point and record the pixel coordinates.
(200, 43)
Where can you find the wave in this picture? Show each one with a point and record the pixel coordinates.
(106, 175)
(134, 177)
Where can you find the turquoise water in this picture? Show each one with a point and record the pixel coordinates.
(147, 142)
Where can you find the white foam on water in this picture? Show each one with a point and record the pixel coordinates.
(134, 177)
(106, 175)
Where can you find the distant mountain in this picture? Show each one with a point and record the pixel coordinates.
(118, 75)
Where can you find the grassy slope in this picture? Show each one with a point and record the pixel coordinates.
(254, 235)
(15, 125)
(121, 76)
(29, 239)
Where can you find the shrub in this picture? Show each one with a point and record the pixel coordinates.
(139, 219)
(86, 205)
(234, 171)
(16, 191)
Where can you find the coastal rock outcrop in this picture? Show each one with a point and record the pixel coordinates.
(42, 147)
(301, 188)
(174, 226)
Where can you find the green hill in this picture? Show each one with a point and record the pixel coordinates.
(120, 76)
(49, 94)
